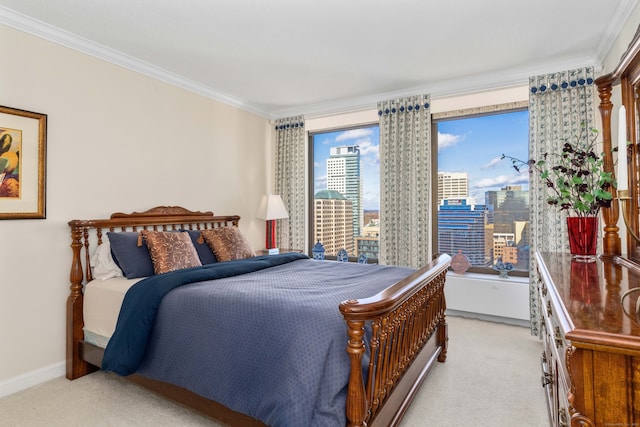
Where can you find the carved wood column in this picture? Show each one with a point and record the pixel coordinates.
(76, 367)
(611, 240)
(356, 400)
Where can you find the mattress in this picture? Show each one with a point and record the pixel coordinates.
(102, 302)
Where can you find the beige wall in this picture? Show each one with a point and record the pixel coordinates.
(117, 141)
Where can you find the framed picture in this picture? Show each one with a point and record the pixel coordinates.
(23, 140)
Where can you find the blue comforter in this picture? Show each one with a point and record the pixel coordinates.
(264, 338)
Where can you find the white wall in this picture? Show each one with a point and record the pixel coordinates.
(116, 141)
(485, 296)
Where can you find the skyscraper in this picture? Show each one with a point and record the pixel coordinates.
(452, 185)
(343, 176)
(461, 226)
(333, 228)
(510, 204)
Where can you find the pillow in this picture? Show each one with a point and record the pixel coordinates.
(104, 267)
(170, 251)
(133, 260)
(205, 253)
(228, 243)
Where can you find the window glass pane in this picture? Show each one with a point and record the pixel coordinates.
(346, 190)
(483, 203)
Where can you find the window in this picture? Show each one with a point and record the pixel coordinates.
(483, 204)
(345, 190)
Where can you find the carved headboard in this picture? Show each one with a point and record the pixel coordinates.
(627, 76)
(87, 234)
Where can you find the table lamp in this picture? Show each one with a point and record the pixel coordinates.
(272, 208)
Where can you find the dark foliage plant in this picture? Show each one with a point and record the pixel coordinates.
(575, 178)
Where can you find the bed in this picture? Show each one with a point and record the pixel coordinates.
(250, 325)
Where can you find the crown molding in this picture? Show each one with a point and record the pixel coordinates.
(37, 28)
(501, 79)
(621, 13)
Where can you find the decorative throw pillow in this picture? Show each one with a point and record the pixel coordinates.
(228, 243)
(204, 251)
(170, 251)
(133, 260)
(104, 267)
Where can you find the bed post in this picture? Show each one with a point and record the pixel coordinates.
(76, 367)
(356, 401)
(443, 340)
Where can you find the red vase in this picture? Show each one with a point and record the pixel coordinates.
(583, 237)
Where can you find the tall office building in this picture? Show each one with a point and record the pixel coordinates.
(452, 185)
(343, 176)
(333, 222)
(510, 204)
(462, 226)
(511, 217)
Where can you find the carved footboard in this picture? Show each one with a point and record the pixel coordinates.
(409, 332)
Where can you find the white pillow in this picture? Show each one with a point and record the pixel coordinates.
(104, 267)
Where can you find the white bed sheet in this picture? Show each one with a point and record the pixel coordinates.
(102, 301)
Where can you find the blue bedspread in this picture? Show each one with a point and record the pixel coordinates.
(269, 342)
(137, 314)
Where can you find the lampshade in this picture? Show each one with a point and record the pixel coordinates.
(272, 207)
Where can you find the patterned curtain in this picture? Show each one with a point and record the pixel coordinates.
(405, 181)
(290, 180)
(559, 105)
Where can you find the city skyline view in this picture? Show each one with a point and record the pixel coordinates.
(368, 139)
(473, 145)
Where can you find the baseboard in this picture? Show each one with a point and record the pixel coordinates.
(489, 318)
(33, 378)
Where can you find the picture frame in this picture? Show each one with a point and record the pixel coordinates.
(23, 140)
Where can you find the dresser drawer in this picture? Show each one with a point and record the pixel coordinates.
(558, 344)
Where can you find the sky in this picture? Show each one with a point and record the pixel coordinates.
(473, 145)
(367, 138)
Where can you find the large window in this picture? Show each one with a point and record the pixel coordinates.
(345, 193)
(483, 204)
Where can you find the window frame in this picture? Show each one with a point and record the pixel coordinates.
(311, 181)
(436, 118)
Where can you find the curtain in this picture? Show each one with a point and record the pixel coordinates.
(290, 180)
(559, 105)
(405, 181)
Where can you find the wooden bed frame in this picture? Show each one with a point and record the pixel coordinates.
(408, 324)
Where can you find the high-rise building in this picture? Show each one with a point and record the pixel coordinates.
(452, 185)
(510, 205)
(333, 222)
(343, 176)
(461, 226)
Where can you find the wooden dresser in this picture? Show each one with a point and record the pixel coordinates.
(591, 357)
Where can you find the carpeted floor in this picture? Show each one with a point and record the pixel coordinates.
(491, 378)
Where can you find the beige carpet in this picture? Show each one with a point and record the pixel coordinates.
(491, 378)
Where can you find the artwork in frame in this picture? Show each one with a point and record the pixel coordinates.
(23, 140)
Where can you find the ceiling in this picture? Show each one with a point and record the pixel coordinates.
(286, 57)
